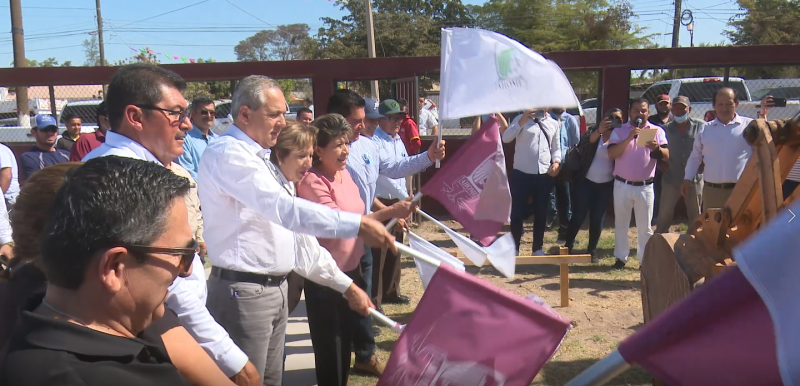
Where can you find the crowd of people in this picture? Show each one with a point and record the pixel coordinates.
(108, 234)
(106, 278)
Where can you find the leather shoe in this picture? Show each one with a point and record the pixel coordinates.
(398, 300)
(373, 367)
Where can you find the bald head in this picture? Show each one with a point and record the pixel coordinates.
(725, 102)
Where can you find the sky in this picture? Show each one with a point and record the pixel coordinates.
(211, 28)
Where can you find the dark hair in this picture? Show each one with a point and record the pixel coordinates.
(201, 101)
(138, 84)
(330, 127)
(101, 111)
(108, 202)
(69, 116)
(304, 110)
(613, 110)
(343, 102)
(637, 101)
(402, 102)
(714, 98)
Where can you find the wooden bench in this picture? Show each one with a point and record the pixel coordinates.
(563, 260)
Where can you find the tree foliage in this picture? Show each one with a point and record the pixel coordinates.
(49, 62)
(146, 55)
(91, 50)
(766, 22)
(282, 43)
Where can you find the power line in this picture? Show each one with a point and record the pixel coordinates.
(254, 16)
(166, 13)
(55, 8)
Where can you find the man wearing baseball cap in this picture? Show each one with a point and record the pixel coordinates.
(662, 117)
(680, 133)
(44, 152)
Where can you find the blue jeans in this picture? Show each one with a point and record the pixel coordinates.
(524, 186)
(363, 338)
(590, 199)
(563, 206)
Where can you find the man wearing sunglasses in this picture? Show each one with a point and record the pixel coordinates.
(148, 117)
(116, 240)
(44, 152)
(197, 139)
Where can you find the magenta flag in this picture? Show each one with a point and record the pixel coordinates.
(473, 185)
(721, 335)
(468, 332)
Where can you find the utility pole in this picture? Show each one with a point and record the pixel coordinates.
(373, 85)
(101, 47)
(676, 25)
(18, 41)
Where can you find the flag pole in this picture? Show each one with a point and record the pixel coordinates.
(392, 223)
(601, 372)
(386, 320)
(414, 253)
(439, 143)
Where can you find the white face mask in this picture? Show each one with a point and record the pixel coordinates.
(681, 118)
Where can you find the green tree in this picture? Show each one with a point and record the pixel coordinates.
(49, 62)
(91, 50)
(146, 55)
(766, 22)
(283, 43)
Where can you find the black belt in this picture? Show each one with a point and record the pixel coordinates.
(634, 183)
(727, 185)
(248, 277)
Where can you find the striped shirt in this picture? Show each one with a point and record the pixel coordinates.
(794, 174)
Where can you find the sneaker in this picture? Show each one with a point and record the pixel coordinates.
(595, 259)
(539, 253)
(373, 367)
(618, 265)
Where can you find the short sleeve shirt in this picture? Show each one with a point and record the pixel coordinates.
(635, 164)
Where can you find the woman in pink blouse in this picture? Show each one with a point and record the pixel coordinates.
(331, 322)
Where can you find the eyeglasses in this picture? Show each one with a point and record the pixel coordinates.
(186, 254)
(209, 113)
(180, 114)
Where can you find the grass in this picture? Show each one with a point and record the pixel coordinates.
(605, 304)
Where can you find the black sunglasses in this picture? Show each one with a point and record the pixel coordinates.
(186, 254)
(210, 113)
(181, 114)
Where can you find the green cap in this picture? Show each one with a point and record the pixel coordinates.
(389, 106)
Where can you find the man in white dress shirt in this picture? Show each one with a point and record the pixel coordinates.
(148, 121)
(537, 159)
(720, 145)
(252, 224)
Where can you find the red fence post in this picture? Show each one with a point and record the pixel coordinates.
(615, 88)
(323, 87)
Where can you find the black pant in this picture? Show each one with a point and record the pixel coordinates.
(563, 206)
(364, 338)
(657, 189)
(332, 326)
(523, 186)
(590, 199)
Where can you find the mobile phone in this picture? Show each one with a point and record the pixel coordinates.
(616, 123)
(779, 102)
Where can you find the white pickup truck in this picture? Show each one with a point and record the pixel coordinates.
(700, 92)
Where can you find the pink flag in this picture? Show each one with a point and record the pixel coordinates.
(721, 335)
(467, 332)
(473, 184)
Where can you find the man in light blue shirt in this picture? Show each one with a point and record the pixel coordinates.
(569, 135)
(197, 139)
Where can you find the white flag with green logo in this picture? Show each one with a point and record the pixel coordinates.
(485, 72)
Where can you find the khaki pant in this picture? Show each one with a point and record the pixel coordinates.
(670, 195)
(715, 197)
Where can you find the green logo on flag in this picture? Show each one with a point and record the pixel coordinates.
(505, 59)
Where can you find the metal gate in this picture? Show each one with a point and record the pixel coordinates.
(408, 89)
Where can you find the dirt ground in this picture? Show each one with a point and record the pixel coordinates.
(605, 305)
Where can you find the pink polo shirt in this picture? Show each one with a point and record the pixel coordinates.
(635, 164)
(342, 195)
